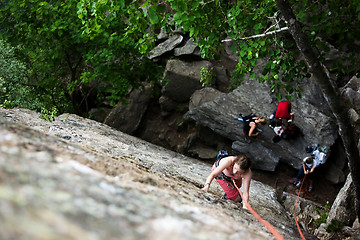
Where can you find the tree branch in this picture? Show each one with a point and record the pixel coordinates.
(258, 35)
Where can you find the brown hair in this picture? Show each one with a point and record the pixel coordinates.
(309, 160)
(243, 161)
(261, 120)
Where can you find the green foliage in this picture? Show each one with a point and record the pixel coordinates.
(70, 48)
(15, 89)
(49, 115)
(206, 76)
(335, 226)
(258, 32)
(77, 49)
(322, 219)
(324, 213)
(236, 78)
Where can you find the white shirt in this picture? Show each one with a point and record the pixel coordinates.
(311, 165)
(319, 157)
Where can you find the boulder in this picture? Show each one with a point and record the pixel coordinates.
(334, 174)
(127, 117)
(202, 96)
(166, 46)
(182, 79)
(167, 104)
(99, 114)
(354, 116)
(312, 116)
(351, 91)
(162, 34)
(343, 208)
(190, 48)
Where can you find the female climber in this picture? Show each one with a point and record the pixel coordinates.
(232, 167)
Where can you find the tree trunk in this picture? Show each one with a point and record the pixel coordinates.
(331, 94)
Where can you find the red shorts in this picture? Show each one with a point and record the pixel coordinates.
(228, 186)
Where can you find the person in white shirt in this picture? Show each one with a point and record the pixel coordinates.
(308, 167)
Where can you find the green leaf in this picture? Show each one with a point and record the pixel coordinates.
(258, 26)
(177, 16)
(301, 15)
(122, 3)
(273, 65)
(153, 15)
(243, 53)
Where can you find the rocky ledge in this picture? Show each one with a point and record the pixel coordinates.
(74, 178)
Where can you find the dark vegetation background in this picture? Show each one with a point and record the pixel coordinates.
(71, 56)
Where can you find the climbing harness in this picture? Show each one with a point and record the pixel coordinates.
(271, 228)
(222, 175)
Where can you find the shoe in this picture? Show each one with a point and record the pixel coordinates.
(298, 184)
(225, 196)
(247, 140)
(310, 188)
(293, 181)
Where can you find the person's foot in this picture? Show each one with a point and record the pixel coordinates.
(310, 188)
(293, 181)
(225, 197)
(298, 184)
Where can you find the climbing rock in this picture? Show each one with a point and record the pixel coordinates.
(75, 178)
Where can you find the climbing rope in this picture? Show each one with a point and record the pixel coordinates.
(271, 228)
(297, 199)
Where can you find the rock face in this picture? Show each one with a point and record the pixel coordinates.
(312, 116)
(190, 48)
(215, 110)
(166, 46)
(75, 178)
(352, 93)
(183, 79)
(127, 117)
(343, 209)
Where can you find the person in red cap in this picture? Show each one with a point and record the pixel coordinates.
(283, 111)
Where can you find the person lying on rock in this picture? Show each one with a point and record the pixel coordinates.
(250, 126)
(232, 167)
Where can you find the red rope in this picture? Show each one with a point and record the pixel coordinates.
(271, 228)
(297, 224)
